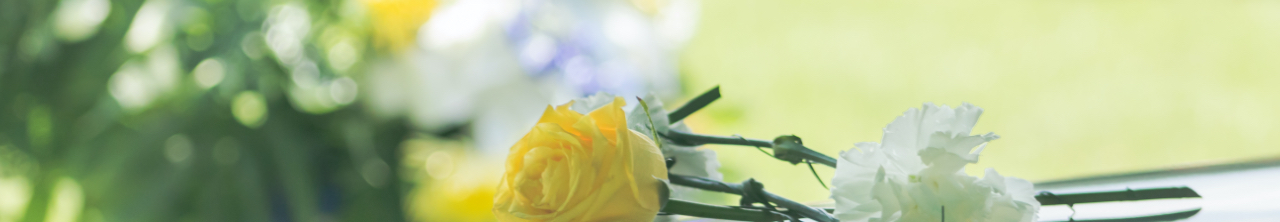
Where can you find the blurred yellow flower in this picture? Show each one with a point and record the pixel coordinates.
(572, 167)
(450, 184)
(460, 198)
(396, 22)
(649, 7)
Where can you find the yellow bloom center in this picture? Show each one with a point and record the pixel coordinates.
(574, 167)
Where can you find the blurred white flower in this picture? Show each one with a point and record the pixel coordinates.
(918, 170)
(490, 66)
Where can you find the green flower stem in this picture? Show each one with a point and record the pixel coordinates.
(688, 208)
(1047, 198)
(713, 185)
(801, 151)
(694, 105)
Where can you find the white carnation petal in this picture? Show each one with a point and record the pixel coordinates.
(902, 132)
(966, 116)
(917, 169)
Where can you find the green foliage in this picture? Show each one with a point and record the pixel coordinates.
(69, 113)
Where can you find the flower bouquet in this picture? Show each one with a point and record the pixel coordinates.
(589, 160)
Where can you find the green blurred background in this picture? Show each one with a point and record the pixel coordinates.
(395, 110)
(1074, 88)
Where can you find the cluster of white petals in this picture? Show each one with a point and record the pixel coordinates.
(917, 171)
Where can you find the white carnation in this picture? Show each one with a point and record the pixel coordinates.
(918, 170)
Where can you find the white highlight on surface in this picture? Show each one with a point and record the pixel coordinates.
(77, 20)
(1240, 195)
(1119, 209)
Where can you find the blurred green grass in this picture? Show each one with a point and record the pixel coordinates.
(1075, 88)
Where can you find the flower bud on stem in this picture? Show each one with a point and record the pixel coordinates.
(792, 152)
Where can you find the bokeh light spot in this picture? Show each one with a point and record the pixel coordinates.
(250, 108)
(139, 82)
(15, 188)
(627, 28)
(458, 23)
(177, 148)
(375, 172)
(287, 26)
(342, 55)
(77, 20)
(67, 202)
(129, 87)
(148, 27)
(251, 45)
(343, 90)
(15, 192)
(305, 74)
(209, 73)
(163, 68)
(538, 52)
(439, 165)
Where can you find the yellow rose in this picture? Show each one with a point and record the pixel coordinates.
(574, 167)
